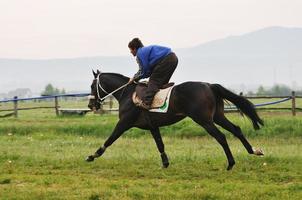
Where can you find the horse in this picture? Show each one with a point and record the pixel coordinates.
(202, 102)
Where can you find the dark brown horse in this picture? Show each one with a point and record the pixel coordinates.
(203, 102)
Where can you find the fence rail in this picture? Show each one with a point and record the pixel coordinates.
(293, 107)
(56, 105)
(230, 108)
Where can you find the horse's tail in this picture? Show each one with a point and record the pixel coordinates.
(240, 102)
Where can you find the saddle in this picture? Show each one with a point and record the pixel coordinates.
(159, 98)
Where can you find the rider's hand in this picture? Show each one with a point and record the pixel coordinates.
(131, 80)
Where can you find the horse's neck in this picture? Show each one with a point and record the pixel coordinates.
(115, 83)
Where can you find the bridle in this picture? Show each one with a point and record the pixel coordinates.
(99, 86)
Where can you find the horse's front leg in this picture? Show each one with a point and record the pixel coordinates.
(160, 146)
(119, 129)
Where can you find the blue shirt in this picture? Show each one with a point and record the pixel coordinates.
(147, 57)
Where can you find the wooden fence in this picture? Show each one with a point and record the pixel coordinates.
(58, 110)
(263, 106)
(56, 106)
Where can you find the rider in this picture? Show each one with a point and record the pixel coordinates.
(154, 61)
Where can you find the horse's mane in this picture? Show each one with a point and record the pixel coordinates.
(116, 75)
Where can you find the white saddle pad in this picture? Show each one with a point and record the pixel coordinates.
(160, 101)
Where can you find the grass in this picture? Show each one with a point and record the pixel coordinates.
(275, 125)
(53, 167)
(43, 158)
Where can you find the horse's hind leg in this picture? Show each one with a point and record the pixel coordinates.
(220, 137)
(222, 121)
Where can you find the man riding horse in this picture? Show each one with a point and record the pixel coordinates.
(156, 62)
(202, 102)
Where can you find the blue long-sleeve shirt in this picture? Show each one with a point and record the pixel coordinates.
(147, 57)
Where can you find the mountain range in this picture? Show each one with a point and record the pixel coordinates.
(266, 57)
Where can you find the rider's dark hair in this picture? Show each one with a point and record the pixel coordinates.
(135, 43)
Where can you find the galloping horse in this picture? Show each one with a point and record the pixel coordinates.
(203, 102)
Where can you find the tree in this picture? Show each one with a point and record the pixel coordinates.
(276, 90)
(282, 90)
(51, 90)
(261, 91)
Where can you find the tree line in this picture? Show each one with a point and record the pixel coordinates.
(276, 90)
(51, 90)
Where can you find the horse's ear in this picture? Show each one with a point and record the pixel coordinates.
(94, 74)
(97, 71)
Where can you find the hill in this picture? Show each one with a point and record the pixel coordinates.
(263, 57)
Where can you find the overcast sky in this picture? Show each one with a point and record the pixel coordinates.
(78, 28)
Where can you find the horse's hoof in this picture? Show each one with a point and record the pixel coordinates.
(231, 165)
(258, 152)
(90, 159)
(164, 159)
(165, 165)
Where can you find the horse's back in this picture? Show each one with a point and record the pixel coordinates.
(193, 96)
(193, 88)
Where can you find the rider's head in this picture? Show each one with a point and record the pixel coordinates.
(135, 44)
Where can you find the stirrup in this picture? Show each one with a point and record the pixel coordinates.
(144, 106)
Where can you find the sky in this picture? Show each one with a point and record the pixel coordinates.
(44, 29)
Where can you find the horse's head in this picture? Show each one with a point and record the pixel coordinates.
(95, 94)
(111, 84)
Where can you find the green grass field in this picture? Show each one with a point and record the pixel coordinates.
(44, 158)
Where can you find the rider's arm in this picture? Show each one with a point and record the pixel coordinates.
(139, 74)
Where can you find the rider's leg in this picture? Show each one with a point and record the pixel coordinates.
(168, 67)
(161, 75)
(151, 90)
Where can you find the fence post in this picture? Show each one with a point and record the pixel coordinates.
(57, 105)
(15, 106)
(293, 103)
